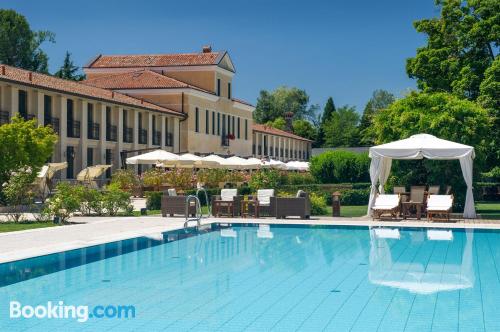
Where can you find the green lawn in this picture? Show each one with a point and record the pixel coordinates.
(12, 227)
(488, 210)
(350, 211)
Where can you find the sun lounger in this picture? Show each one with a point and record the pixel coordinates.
(386, 204)
(439, 207)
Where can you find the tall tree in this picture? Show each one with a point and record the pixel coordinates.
(341, 130)
(304, 128)
(272, 105)
(69, 70)
(380, 100)
(460, 47)
(327, 114)
(19, 45)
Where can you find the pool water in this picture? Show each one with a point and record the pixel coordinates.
(284, 278)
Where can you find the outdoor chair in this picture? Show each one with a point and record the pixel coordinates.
(266, 201)
(171, 204)
(227, 203)
(386, 204)
(299, 206)
(439, 207)
(401, 191)
(433, 190)
(416, 201)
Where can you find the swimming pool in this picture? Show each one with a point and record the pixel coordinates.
(279, 277)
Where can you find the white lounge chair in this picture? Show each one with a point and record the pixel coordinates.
(439, 205)
(386, 204)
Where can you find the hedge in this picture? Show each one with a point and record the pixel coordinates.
(340, 166)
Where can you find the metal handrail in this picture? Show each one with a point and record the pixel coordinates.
(198, 214)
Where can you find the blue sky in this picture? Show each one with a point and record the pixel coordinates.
(344, 49)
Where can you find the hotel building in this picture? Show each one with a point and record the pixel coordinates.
(177, 102)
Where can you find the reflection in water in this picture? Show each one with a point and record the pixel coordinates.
(420, 276)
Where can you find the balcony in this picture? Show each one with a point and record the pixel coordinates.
(93, 130)
(169, 139)
(53, 122)
(4, 117)
(111, 133)
(128, 135)
(143, 136)
(156, 137)
(73, 129)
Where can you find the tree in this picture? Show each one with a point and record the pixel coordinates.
(304, 128)
(19, 45)
(380, 100)
(341, 130)
(440, 114)
(68, 70)
(327, 114)
(24, 145)
(272, 105)
(278, 123)
(460, 47)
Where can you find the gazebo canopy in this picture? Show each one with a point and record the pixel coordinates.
(418, 147)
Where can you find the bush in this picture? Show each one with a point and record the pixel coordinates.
(267, 179)
(17, 193)
(293, 178)
(155, 177)
(126, 179)
(114, 199)
(212, 177)
(318, 205)
(65, 202)
(354, 197)
(340, 166)
(181, 178)
(153, 200)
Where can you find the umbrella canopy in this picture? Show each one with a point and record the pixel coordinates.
(214, 157)
(275, 164)
(152, 158)
(48, 171)
(262, 163)
(240, 163)
(297, 166)
(92, 172)
(189, 160)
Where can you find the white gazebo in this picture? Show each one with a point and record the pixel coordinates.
(418, 147)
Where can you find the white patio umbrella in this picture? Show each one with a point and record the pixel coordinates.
(262, 163)
(214, 157)
(297, 166)
(239, 163)
(92, 172)
(152, 158)
(46, 174)
(275, 164)
(189, 160)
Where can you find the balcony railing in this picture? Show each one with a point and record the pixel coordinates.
(74, 129)
(93, 130)
(128, 135)
(111, 133)
(53, 122)
(156, 137)
(143, 136)
(169, 139)
(4, 117)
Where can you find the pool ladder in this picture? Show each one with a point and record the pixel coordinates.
(198, 215)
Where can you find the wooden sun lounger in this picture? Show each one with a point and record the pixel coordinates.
(439, 207)
(386, 204)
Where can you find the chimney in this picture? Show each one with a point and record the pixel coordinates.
(207, 49)
(288, 121)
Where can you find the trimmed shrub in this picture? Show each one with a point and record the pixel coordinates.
(354, 197)
(153, 200)
(114, 199)
(340, 166)
(318, 205)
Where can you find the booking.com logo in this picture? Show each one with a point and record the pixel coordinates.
(59, 310)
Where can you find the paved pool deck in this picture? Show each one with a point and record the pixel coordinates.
(89, 231)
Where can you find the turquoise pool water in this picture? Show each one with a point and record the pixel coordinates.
(280, 278)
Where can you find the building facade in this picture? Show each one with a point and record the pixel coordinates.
(177, 102)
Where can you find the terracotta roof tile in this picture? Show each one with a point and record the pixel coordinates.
(53, 83)
(278, 132)
(242, 101)
(155, 60)
(139, 79)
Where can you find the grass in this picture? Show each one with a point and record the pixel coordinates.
(488, 210)
(350, 211)
(12, 227)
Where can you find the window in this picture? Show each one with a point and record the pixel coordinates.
(239, 128)
(109, 161)
(218, 123)
(232, 126)
(224, 133)
(140, 120)
(47, 110)
(70, 158)
(246, 129)
(218, 87)
(124, 119)
(108, 116)
(23, 104)
(207, 122)
(213, 123)
(197, 120)
(229, 90)
(229, 131)
(90, 157)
